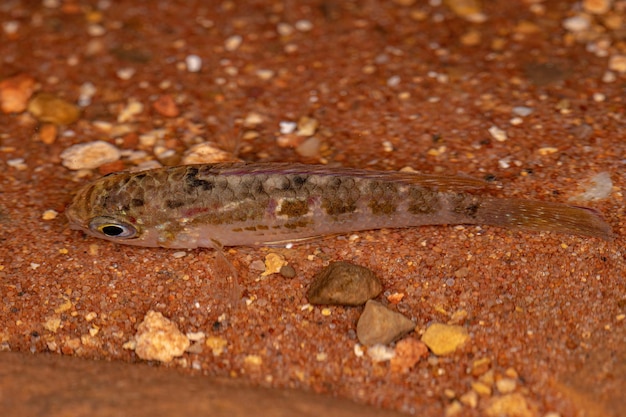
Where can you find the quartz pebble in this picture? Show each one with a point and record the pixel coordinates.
(15, 92)
(207, 153)
(159, 339)
(344, 283)
(89, 155)
(443, 339)
(379, 325)
(47, 107)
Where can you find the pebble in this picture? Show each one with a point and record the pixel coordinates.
(577, 23)
(522, 111)
(509, 405)
(48, 133)
(207, 153)
(598, 188)
(309, 148)
(444, 339)
(506, 385)
(166, 106)
(344, 283)
(129, 111)
(379, 325)
(217, 344)
(597, 6)
(233, 43)
(381, 353)
(274, 262)
(47, 107)
(498, 134)
(15, 92)
(89, 155)
(193, 63)
(409, 352)
(49, 215)
(617, 63)
(159, 339)
(469, 10)
(307, 126)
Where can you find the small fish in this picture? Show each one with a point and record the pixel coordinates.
(230, 204)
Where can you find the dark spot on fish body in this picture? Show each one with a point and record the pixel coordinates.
(174, 204)
(296, 224)
(465, 204)
(422, 201)
(262, 227)
(293, 208)
(298, 181)
(380, 208)
(336, 206)
(192, 180)
(136, 202)
(250, 228)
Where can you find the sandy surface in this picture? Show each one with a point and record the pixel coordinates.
(390, 84)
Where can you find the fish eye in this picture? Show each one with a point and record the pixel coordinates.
(112, 228)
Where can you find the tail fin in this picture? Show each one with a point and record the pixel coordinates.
(544, 216)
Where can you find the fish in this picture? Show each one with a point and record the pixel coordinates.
(270, 204)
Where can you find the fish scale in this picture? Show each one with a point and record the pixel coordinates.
(214, 205)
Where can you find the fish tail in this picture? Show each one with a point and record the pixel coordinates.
(543, 216)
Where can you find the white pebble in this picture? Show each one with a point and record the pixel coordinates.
(287, 127)
(89, 155)
(498, 134)
(10, 27)
(522, 111)
(577, 23)
(193, 63)
(304, 25)
(125, 73)
(598, 188)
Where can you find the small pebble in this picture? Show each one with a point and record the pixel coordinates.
(498, 134)
(15, 92)
(48, 133)
(443, 339)
(273, 263)
(207, 153)
(506, 385)
(509, 405)
(307, 126)
(47, 107)
(409, 352)
(617, 63)
(287, 271)
(381, 353)
(89, 155)
(577, 23)
(599, 187)
(379, 325)
(166, 106)
(597, 6)
(469, 10)
(522, 111)
(129, 111)
(159, 339)
(309, 148)
(49, 215)
(343, 283)
(193, 63)
(233, 42)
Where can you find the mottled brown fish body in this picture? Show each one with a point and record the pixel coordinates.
(260, 204)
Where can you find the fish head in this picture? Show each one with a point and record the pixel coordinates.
(102, 210)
